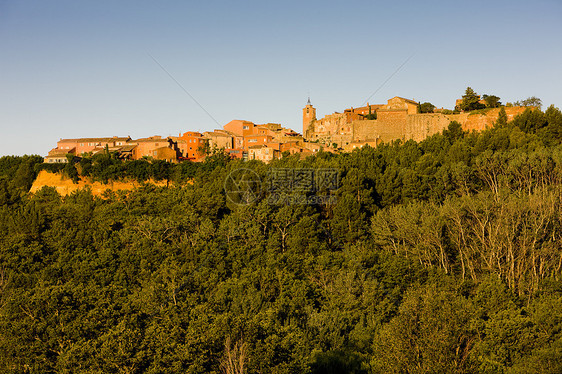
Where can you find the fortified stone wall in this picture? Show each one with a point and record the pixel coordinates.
(394, 124)
(479, 122)
(391, 124)
(420, 126)
(329, 126)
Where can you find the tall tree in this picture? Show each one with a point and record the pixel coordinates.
(470, 101)
(502, 117)
(492, 101)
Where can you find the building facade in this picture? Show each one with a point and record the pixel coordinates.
(193, 146)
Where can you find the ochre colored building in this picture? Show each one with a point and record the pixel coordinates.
(220, 139)
(262, 153)
(252, 140)
(308, 116)
(152, 147)
(238, 136)
(165, 154)
(195, 145)
(86, 145)
(58, 156)
(240, 127)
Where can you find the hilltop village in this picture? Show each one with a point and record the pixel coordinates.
(399, 118)
(373, 124)
(239, 139)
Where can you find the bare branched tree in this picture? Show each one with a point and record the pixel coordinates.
(3, 287)
(235, 357)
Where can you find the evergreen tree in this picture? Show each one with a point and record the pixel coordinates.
(470, 101)
(502, 118)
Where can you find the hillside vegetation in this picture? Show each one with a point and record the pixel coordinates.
(440, 256)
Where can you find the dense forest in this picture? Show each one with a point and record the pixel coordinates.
(442, 256)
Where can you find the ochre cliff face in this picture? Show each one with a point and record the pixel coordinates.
(65, 186)
(479, 122)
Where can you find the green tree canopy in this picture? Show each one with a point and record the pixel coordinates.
(426, 107)
(532, 101)
(435, 256)
(470, 101)
(492, 101)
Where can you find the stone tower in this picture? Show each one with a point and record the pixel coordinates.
(308, 115)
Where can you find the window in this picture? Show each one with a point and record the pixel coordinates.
(245, 127)
(252, 140)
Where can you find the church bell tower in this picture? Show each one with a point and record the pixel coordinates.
(308, 115)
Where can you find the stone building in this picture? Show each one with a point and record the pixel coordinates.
(86, 145)
(220, 139)
(58, 156)
(80, 146)
(238, 136)
(192, 146)
(155, 147)
(263, 153)
(308, 116)
(398, 119)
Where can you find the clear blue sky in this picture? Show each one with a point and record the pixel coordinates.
(83, 68)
